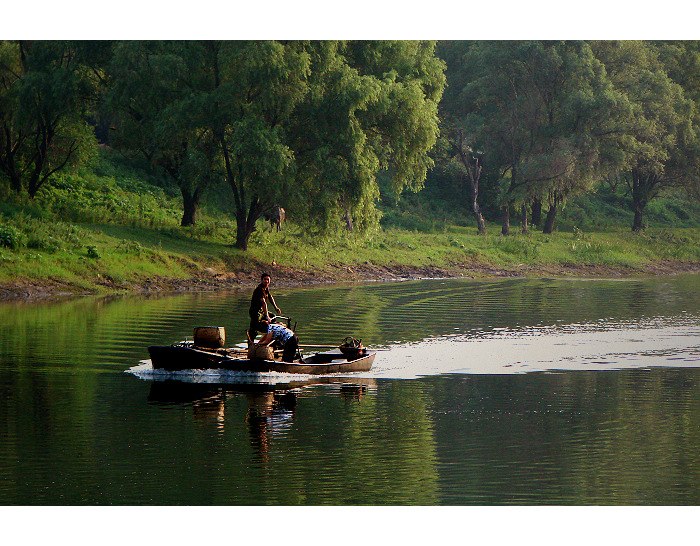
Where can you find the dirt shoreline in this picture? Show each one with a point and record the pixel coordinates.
(208, 280)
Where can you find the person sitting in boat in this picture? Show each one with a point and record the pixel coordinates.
(284, 338)
(259, 320)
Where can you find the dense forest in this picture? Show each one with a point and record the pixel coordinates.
(351, 136)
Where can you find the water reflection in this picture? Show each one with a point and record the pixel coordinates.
(269, 414)
(270, 407)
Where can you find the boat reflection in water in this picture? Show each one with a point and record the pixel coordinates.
(271, 407)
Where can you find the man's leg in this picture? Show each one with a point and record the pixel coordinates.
(290, 349)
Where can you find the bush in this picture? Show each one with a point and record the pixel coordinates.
(45, 243)
(130, 247)
(10, 237)
(519, 246)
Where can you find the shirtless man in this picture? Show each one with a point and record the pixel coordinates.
(258, 306)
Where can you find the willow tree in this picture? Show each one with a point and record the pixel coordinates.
(158, 96)
(542, 113)
(312, 123)
(371, 107)
(376, 109)
(44, 102)
(663, 131)
(256, 87)
(461, 124)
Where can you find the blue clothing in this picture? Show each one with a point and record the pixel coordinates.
(280, 333)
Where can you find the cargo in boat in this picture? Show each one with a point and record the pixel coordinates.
(186, 356)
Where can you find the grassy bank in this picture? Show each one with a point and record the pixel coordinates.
(103, 257)
(113, 228)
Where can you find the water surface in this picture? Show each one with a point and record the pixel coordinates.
(490, 392)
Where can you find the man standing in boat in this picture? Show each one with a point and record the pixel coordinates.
(258, 306)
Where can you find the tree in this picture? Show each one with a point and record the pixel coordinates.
(45, 91)
(256, 87)
(662, 149)
(312, 123)
(371, 107)
(462, 123)
(542, 112)
(158, 95)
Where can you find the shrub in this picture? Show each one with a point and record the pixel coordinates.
(10, 237)
(45, 243)
(130, 247)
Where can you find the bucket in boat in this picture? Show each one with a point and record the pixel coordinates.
(264, 352)
(212, 337)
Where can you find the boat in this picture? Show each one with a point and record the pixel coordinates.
(186, 356)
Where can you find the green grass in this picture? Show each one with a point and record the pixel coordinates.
(87, 255)
(112, 225)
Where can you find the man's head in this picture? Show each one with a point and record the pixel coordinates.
(265, 279)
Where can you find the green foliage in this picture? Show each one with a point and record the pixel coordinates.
(539, 112)
(130, 247)
(45, 94)
(10, 237)
(159, 94)
(556, 118)
(343, 135)
(305, 124)
(372, 106)
(45, 243)
(92, 252)
(662, 135)
(605, 209)
(520, 248)
(106, 199)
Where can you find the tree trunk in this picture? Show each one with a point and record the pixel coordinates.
(245, 222)
(505, 219)
(523, 219)
(34, 184)
(33, 188)
(8, 165)
(16, 183)
(243, 232)
(190, 204)
(472, 163)
(480, 224)
(348, 220)
(638, 224)
(642, 186)
(536, 217)
(35, 178)
(551, 217)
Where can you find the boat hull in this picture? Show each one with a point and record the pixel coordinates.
(176, 357)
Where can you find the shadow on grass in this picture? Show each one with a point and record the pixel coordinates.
(167, 239)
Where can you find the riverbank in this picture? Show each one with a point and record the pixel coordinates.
(210, 279)
(112, 229)
(44, 257)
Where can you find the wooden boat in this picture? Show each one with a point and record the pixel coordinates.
(184, 356)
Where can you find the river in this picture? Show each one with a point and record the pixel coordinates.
(489, 392)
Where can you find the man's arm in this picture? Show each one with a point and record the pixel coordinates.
(272, 301)
(266, 339)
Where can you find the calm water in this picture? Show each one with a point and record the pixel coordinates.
(490, 392)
